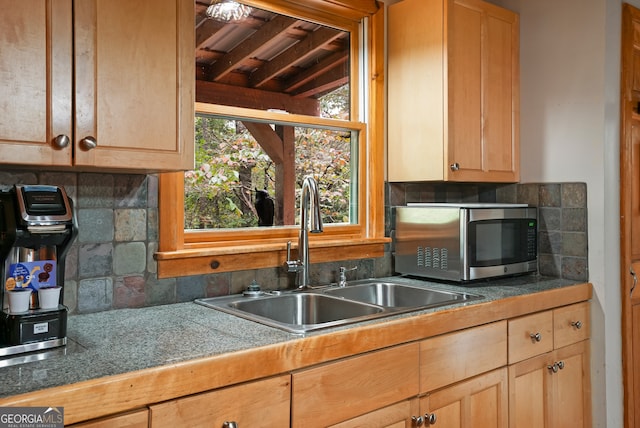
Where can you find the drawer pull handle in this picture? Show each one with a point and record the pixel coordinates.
(577, 324)
(535, 337)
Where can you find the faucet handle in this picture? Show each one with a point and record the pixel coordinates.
(291, 265)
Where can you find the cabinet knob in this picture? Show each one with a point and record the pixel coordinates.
(535, 337)
(454, 166)
(88, 143)
(560, 364)
(231, 424)
(61, 141)
(577, 324)
(417, 421)
(430, 418)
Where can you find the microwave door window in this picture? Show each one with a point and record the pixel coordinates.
(497, 242)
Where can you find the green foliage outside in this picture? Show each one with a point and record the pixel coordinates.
(231, 165)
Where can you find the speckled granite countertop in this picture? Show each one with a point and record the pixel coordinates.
(127, 340)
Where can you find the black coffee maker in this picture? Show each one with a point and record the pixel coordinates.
(37, 227)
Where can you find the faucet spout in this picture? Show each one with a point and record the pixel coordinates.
(310, 222)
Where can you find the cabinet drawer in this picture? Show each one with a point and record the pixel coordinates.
(259, 403)
(135, 419)
(530, 335)
(571, 324)
(366, 383)
(456, 356)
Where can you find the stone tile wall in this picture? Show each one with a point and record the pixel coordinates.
(111, 264)
(562, 211)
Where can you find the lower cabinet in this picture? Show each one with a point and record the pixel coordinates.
(552, 389)
(549, 369)
(478, 402)
(135, 419)
(404, 414)
(253, 404)
(332, 393)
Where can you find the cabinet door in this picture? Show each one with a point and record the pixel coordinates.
(397, 415)
(134, 87)
(528, 383)
(479, 402)
(571, 402)
(35, 81)
(551, 390)
(483, 92)
(260, 403)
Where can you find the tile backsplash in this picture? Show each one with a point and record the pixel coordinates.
(111, 264)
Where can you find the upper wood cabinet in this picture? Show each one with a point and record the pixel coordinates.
(116, 78)
(453, 91)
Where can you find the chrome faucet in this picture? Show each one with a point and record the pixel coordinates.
(310, 221)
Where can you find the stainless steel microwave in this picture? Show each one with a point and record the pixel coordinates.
(465, 242)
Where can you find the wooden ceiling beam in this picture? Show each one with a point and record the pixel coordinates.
(230, 61)
(324, 84)
(217, 93)
(297, 53)
(334, 60)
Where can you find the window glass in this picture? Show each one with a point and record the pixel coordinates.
(239, 182)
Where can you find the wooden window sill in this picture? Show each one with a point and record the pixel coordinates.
(254, 255)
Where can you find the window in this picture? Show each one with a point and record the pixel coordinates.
(352, 231)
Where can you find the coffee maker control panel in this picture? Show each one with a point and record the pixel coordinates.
(43, 206)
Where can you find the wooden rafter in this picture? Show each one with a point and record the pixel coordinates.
(298, 53)
(245, 50)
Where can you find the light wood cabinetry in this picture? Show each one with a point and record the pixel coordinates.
(383, 387)
(397, 415)
(260, 403)
(90, 84)
(478, 402)
(368, 383)
(448, 365)
(136, 419)
(551, 388)
(453, 91)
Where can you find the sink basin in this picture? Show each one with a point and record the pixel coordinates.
(297, 312)
(393, 295)
(332, 306)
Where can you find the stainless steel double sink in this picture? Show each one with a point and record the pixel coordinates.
(323, 307)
